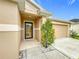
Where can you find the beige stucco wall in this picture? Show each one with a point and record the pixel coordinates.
(8, 13)
(9, 38)
(75, 27)
(43, 20)
(38, 29)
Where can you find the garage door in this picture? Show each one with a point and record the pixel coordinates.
(61, 31)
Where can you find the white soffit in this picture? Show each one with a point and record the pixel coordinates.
(9, 27)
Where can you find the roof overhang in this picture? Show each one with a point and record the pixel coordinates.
(25, 15)
(14, 0)
(44, 13)
(63, 21)
(33, 3)
(41, 11)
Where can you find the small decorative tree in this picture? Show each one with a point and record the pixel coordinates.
(47, 33)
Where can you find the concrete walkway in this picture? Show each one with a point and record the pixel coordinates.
(39, 52)
(42, 53)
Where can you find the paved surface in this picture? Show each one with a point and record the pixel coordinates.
(65, 48)
(68, 46)
(26, 44)
(42, 53)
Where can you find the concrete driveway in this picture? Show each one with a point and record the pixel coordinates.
(68, 46)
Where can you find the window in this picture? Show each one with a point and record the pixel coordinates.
(28, 30)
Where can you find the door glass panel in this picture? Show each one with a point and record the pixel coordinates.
(28, 30)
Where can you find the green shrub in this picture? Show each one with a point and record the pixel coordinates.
(47, 33)
(74, 35)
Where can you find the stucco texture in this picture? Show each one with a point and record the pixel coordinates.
(9, 40)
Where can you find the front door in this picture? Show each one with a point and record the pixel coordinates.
(28, 30)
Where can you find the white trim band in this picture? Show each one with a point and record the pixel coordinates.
(9, 27)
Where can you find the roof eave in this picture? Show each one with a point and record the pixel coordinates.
(62, 21)
(41, 10)
(33, 4)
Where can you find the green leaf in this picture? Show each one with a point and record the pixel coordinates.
(47, 33)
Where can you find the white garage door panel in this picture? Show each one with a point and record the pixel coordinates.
(61, 31)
